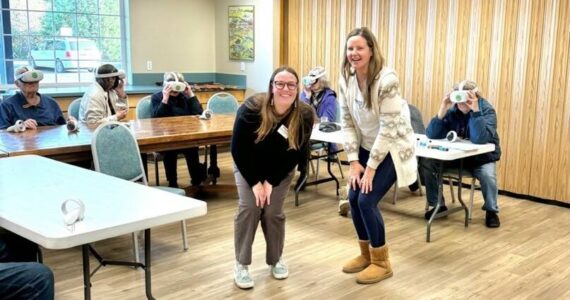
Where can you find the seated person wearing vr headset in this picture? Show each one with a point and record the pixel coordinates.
(318, 94)
(177, 99)
(29, 106)
(472, 117)
(105, 100)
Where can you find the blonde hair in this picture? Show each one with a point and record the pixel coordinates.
(375, 65)
(171, 76)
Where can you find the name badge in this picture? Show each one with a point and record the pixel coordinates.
(283, 131)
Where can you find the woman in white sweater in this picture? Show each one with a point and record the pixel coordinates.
(379, 142)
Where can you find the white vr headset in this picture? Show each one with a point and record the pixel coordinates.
(30, 76)
(176, 85)
(461, 95)
(313, 76)
(119, 74)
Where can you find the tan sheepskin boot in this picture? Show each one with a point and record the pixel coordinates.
(379, 268)
(360, 262)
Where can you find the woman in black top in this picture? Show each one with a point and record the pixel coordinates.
(171, 103)
(270, 138)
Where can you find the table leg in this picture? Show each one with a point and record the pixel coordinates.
(459, 198)
(147, 274)
(86, 273)
(329, 169)
(439, 197)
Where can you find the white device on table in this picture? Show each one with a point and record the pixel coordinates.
(461, 95)
(452, 137)
(206, 114)
(17, 127)
(73, 211)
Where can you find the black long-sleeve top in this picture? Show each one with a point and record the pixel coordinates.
(270, 159)
(180, 105)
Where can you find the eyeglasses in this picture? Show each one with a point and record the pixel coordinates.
(281, 85)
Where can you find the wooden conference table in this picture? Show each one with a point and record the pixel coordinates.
(31, 208)
(152, 135)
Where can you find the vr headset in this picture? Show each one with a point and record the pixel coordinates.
(313, 76)
(461, 95)
(175, 85)
(30, 76)
(119, 74)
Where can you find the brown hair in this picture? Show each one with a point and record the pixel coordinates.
(106, 83)
(375, 64)
(263, 103)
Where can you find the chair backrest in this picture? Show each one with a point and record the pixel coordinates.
(417, 121)
(144, 108)
(73, 109)
(116, 152)
(223, 103)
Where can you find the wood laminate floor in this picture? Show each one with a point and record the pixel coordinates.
(528, 257)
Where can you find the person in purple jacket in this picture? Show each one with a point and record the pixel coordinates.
(318, 94)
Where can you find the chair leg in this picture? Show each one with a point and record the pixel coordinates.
(451, 189)
(395, 196)
(318, 168)
(471, 197)
(339, 167)
(312, 166)
(184, 235)
(156, 175)
(136, 247)
(420, 184)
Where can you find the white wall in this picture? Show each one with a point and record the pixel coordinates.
(174, 34)
(259, 70)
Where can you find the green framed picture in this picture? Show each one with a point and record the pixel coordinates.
(241, 24)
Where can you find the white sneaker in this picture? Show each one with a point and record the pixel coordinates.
(279, 270)
(343, 207)
(241, 276)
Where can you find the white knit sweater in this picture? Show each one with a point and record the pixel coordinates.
(395, 135)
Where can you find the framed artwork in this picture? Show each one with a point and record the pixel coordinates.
(241, 32)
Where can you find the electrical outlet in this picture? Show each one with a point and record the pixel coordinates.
(149, 65)
(242, 66)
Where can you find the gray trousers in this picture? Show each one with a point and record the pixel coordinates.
(271, 216)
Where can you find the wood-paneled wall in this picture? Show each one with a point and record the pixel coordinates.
(517, 51)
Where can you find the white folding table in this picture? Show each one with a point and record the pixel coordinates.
(443, 151)
(34, 187)
(328, 138)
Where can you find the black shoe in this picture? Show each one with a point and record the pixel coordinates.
(414, 186)
(428, 214)
(214, 171)
(173, 184)
(199, 176)
(492, 220)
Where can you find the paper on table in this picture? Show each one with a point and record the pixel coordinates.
(459, 145)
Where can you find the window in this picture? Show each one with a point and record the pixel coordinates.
(66, 39)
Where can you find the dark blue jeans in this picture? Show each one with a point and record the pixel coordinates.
(364, 207)
(26, 280)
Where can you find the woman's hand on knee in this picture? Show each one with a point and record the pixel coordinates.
(354, 174)
(268, 189)
(366, 180)
(259, 193)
